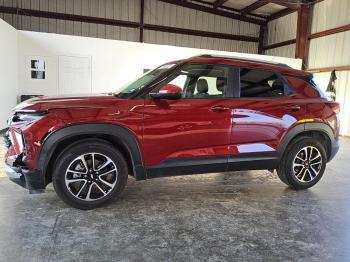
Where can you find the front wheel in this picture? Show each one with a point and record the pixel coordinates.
(89, 173)
(303, 164)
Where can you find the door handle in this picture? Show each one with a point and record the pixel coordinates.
(293, 108)
(219, 108)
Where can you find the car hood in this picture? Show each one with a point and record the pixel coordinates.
(39, 104)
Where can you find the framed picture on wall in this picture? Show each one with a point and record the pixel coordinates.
(37, 69)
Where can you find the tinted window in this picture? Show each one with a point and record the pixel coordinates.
(144, 80)
(260, 83)
(201, 81)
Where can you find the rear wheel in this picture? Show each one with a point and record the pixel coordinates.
(303, 163)
(89, 173)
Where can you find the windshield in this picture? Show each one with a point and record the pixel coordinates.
(136, 85)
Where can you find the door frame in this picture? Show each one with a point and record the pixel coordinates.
(72, 56)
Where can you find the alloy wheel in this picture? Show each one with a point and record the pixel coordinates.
(307, 164)
(91, 176)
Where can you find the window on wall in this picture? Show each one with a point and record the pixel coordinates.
(37, 69)
(260, 83)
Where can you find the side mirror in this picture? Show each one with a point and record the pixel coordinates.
(168, 91)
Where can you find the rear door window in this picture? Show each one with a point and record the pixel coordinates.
(260, 83)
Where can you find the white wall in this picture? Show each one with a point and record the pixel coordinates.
(8, 71)
(113, 62)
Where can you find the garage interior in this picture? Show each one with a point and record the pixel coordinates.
(95, 46)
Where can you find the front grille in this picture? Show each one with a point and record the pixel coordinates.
(7, 139)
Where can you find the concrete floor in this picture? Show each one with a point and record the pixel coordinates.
(215, 217)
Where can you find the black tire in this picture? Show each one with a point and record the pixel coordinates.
(84, 147)
(286, 170)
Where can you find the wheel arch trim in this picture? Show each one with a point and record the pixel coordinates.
(305, 127)
(122, 134)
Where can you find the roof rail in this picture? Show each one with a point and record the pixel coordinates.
(243, 59)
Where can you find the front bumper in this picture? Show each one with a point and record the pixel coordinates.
(30, 180)
(15, 176)
(17, 172)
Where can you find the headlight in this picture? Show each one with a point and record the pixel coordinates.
(16, 139)
(23, 116)
(19, 139)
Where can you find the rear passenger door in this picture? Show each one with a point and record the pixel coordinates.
(265, 107)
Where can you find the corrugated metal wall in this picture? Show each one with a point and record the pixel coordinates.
(128, 10)
(333, 50)
(328, 51)
(343, 97)
(284, 51)
(279, 30)
(330, 14)
(155, 13)
(282, 29)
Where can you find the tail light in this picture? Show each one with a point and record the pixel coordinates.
(335, 122)
(335, 106)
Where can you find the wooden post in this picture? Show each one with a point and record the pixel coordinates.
(261, 40)
(303, 27)
(142, 14)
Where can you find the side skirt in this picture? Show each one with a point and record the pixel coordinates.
(201, 165)
(256, 161)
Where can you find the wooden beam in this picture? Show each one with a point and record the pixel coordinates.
(280, 44)
(329, 69)
(291, 8)
(219, 3)
(230, 9)
(261, 39)
(280, 14)
(185, 31)
(254, 6)
(211, 10)
(68, 17)
(104, 21)
(287, 4)
(332, 31)
(142, 15)
(303, 26)
(261, 3)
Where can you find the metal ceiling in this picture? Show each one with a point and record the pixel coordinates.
(264, 9)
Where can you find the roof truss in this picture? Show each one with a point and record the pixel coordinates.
(246, 14)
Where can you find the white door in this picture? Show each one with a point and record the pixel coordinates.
(74, 75)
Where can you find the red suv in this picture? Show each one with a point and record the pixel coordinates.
(199, 115)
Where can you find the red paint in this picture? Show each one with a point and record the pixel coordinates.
(170, 89)
(185, 128)
(182, 128)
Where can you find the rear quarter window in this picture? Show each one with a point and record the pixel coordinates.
(322, 93)
(261, 83)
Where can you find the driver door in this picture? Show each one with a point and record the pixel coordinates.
(192, 132)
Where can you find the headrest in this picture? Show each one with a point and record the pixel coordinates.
(277, 84)
(202, 86)
(220, 84)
